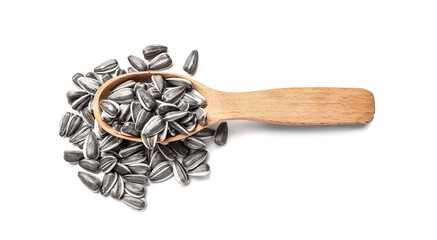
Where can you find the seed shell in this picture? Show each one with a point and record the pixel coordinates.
(108, 182)
(191, 63)
(90, 181)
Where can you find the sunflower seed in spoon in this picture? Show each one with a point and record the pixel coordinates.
(121, 169)
(159, 83)
(152, 51)
(135, 108)
(110, 107)
(147, 101)
(173, 95)
(139, 168)
(137, 63)
(142, 118)
(196, 96)
(75, 77)
(139, 85)
(118, 189)
(183, 106)
(179, 82)
(221, 134)
(191, 125)
(134, 203)
(155, 159)
(88, 116)
(107, 118)
(149, 142)
(200, 171)
(167, 107)
(167, 152)
(64, 123)
(73, 156)
(178, 127)
(154, 92)
(180, 173)
(110, 142)
(174, 115)
(126, 84)
(124, 95)
(136, 178)
(107, 163)
(201, 116)
(89, 85)
(73, 125)
(91, 146)
(155, 125)
(90, 165)
(90, 181)
(179, 148)
(135, 190)
(204, 133)
(73, 95)
(161, 172)
(195, 159)
(108, 182)
(191, 63)
(128, 129)
(125, 113)
(162, 61)
(109, 66)
(81, 102)
(194, 143)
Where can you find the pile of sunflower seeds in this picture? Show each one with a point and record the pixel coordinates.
(152, 110)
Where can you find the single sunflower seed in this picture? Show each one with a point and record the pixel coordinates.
(137, 63)
(178, 127)
(155, 125)
(90, 181)
(152, 51)
(121, 169)
(161, 172)
(108, 66)
(73, 95)
(201, 115)
(191, 63)
(139, 168)
(88, 116)
(149, 142)
(146, 99)
(75, 77)
(118, 189)
(110, 107)
(174, 115)
(138, 157)
(180, 173)
(167, 107)
(179, 82)
(195, 159)
(162, 61)
(108, 182)
(200, 171)
(107, 163)
(80, 134)
(134, 203)
(74, 123)
(91, 146)
(142, 118)
(167, 152)
(73, 156)
(135, 108)
(110, 142)
(81, 102)
(221, 134)
(93, 75)
(125, 113)
(130, 150)
(90, 165)
(155, 159)
(64, 123)
(173, 95)
(204, 133)
(194, 143)
(128, 128)
(124, 95)
(89, 85)
(135, 190)
(131, 70)
(179, 148)
(136, 178)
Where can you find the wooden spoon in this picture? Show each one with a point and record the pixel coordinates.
(287, 106)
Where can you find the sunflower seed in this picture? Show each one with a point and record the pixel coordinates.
(98, 130)
(174, 115)
(118, 189)
(139, 85)
(128, 151)
(194, 143)
(134, 203)
(135, 108)
(200, 171)
(221, 134)
(110, 107)
(108, 182)
(204, 133)
(109, 66)
(89, 85)
(73, 156)
(90, 181)
(190, 65)
(126, 84)
(183, 106)
(106, 77)
(137, 63)
(90, 165)
(142, 118)
(136, 178)
(173, 95)
(80, 134)
(159, 83)
(161, 172)
(131, 70)
(135, 190)
(178, 127)
(124, 114)
(107, 163)
(191, 125)
(166, 107)
(147, 101)
(121, 169)
(64, 123)
(192, 103)
(73, 95)
(88, 116)
(167, 152)
(155, 125)
(195, 159)
(138, 157)
(154, 92)
(75, 77)
(179, 148)
(109, 142)
(128, 129)
(107, 118)
(139, 168)
(180, 173)
(109, 153)
(201, 116)
(180, 82)
(196, 96)
(91, 146)
(149, 142)
(163, 134)
(93, 75)
(81, 102)
(187, 118)
(156, 158)
(162, 61)
(152, 51)
(124, 95)
(73, 125)
(120, 71)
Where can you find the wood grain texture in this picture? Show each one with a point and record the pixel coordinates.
(286, 106)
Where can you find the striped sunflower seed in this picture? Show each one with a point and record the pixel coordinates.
(174, 115)
(221, 134)
(167, 107)
(125, 113)
(88, 116)
(159, 83)
(64, 123)
(137, 63)
(173, 95)
(89, 85)
(91, 146)
(194, 143)
(155, 159)
(134, 203)
(179, 148)
(73, 125)
(167, 152)
(200, 171)
(161, 172)
(126, 84)
(108, 182)
(81, 102)
(75, 77)
(163, 134)
(90, 181)
(149, 142)
(178, 127)
(183, 106)
(142, 118)
(90, 165)
(73, 156)
(139, 85)
(118, 189)
(197, 96)
(135, 108)
(107, 163)
(109, 66)
(128, 128)
(121, 169)
(110, 107)
(179, 82)
(152, 51)
(195, 159)
(107, 118)
(201, 116)
(187, 118)
(124, 95)
(128, 151)
(139, 168)
(80, 134)
(146, 99)
(180, 173)
(110, 142)
(154, 92)
(155, 125)
(73, 95)
(191, 63)
(191, 125)
(135, 190)
(136, 178)
(162, 61)
(138, 157)
(94, 75)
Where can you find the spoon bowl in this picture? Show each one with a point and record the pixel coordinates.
(285, 106)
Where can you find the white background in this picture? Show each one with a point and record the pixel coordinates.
(269, 182)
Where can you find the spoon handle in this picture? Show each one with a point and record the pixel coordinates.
(297, 106)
